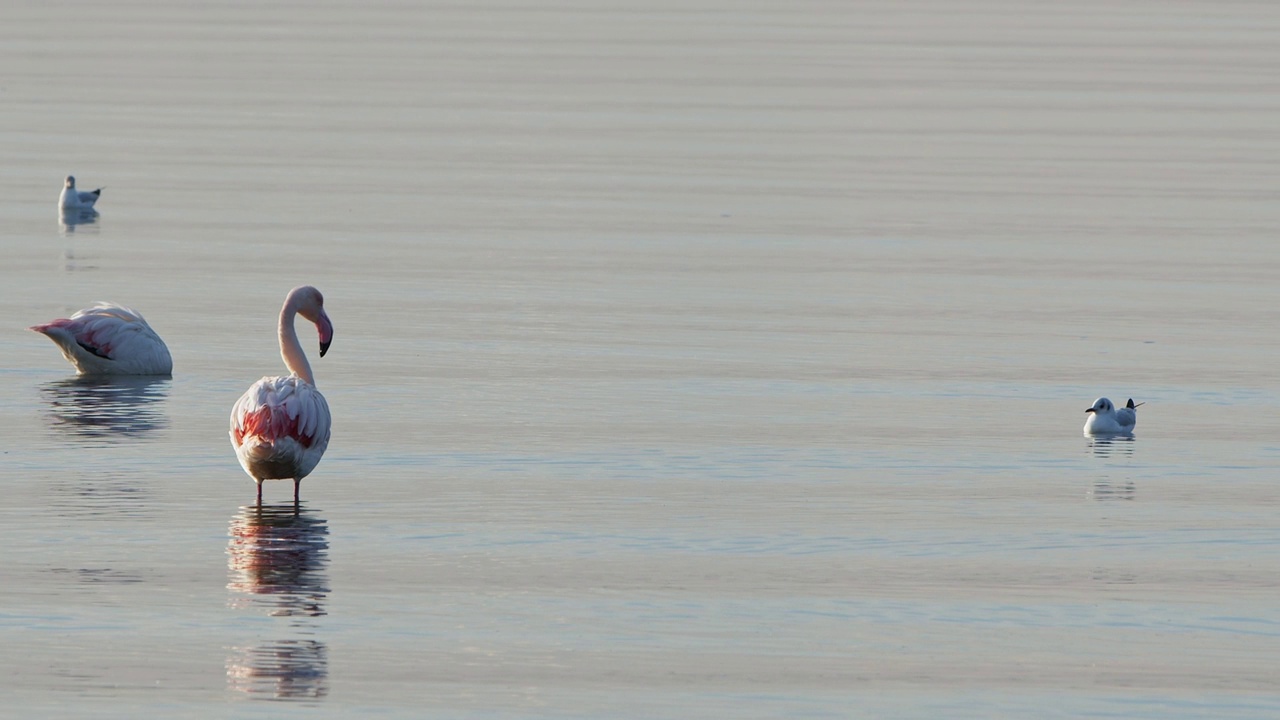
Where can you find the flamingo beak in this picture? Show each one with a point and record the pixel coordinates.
(326, 333)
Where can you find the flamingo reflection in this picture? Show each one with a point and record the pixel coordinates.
(109, 409)
(284, 670)
(276, 559)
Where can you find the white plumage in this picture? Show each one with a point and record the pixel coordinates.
(1105, 419)
(72, 199)
(109, 339)
(280, 426)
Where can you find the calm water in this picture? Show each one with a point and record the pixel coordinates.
(690, 360)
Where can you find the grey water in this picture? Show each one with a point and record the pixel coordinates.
(690, 360)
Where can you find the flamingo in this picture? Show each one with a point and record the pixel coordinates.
(280, 426)
(73, 199)
(109, 339)
(1105, 419)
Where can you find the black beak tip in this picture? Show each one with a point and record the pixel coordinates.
(324, 348)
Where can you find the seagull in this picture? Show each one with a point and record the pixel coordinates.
(1105, 419)
(73, 199)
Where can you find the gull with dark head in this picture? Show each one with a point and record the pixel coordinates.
(1105, 419)
(73, 199)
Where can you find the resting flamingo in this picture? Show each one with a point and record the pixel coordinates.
(72, 199)
(280, 426)
(109, 339)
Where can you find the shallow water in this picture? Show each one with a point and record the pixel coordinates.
(689, 361)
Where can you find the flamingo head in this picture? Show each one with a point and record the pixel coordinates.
(310, 305)
(326, 332)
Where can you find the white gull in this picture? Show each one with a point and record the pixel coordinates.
(1105, 419)
(73, 199)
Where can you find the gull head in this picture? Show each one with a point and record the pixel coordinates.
(1102, 406)
(71, 182)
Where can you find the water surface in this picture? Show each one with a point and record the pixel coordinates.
(690, 361)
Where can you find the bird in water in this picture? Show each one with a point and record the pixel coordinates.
(73, 199)
(109, 339)
(1105, 419)
(280, 426)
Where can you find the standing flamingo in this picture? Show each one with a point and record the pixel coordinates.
(280, 426)
(109, 339)
(72, 199)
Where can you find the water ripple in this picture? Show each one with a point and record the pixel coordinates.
(276, 560)
(277, 557)
(107, 410)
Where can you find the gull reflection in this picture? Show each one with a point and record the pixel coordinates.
(108, 408)
(69, 219)
(1105, 446)
(1110, 447)
(276, 559)
(71, 262)
(1105, 489)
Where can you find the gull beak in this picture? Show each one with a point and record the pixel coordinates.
(1088, 411)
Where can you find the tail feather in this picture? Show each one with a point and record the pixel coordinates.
(271, 424)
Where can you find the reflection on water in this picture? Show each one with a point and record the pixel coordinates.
(68, 220)
(1108, 576)
(286, 670)
(71, 262)
(1107, 489)
(96, 576)
(1112, 445)
(276, 558)
(108, 408)
(105, 494)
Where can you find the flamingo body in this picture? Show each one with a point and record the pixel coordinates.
(73, 199)
(109, 339)
(280, 426)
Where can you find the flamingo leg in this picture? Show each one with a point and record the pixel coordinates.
(259, 493)
(297, 484)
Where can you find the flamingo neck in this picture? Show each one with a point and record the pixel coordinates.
(290, 348)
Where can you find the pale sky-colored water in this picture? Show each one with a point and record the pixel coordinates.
(689, 361)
